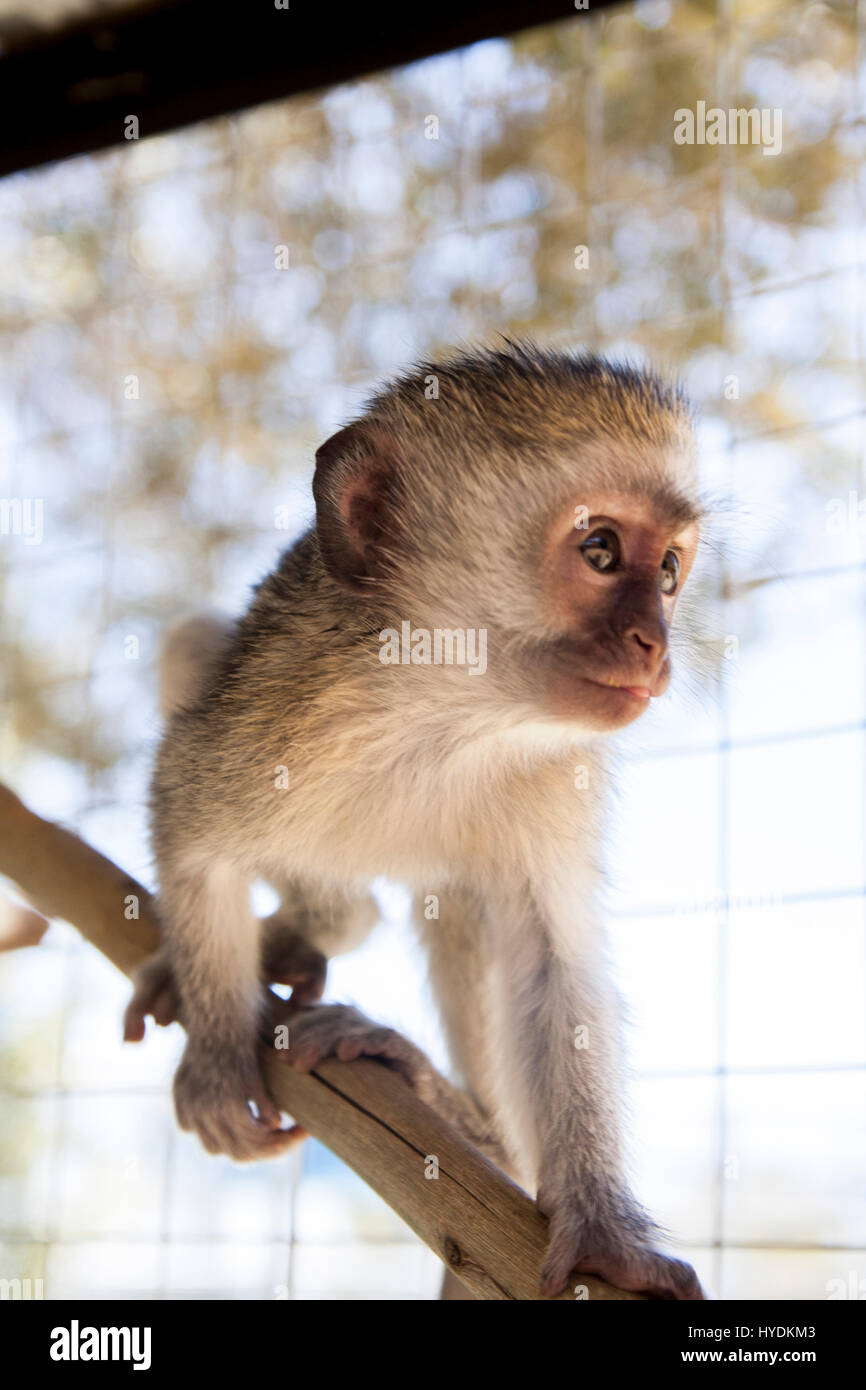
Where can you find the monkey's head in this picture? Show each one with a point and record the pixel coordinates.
(545, 497)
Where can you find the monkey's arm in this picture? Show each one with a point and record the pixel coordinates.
(564, 1061)
(212, 948)
(323, 1030)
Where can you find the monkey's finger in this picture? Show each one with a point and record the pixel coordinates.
(164, 1008)
(266, 1114)
(133, 1022)
(287, 1138)
(233, 1131)
(272, 1145)
(306, 991)
(250, 1141)
(271, 1141)
(385, 1046)
(304, 1058)
(153, 993)
(568, 1249)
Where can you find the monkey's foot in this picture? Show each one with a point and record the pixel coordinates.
(338, 1030)
(228, 1106)
(154, 993)
(287, 959)
(638, 1268)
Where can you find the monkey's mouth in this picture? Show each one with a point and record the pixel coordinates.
(641, 693)
(637, 692)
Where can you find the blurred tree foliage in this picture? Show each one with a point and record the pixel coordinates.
(182, 319)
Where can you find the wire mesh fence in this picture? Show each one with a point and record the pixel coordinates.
(182, 321)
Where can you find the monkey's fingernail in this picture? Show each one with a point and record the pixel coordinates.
(640, 692)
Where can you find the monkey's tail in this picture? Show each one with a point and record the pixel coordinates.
(190, 652)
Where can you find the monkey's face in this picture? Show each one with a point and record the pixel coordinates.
(611, 581)
(574, 590)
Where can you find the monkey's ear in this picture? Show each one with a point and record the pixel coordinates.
(354, 491)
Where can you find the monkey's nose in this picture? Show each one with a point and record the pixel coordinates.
(653, 644)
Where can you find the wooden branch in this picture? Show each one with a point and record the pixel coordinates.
(20, 926)
(481, 1225)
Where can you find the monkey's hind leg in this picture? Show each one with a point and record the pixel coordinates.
(458, 963)
(311, 924)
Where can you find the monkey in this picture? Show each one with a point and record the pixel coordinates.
(337, 732)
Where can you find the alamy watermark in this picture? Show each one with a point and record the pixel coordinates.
(21, 1289)
(444, 646)
(738, 126)
(22, 516)
(77, 1343)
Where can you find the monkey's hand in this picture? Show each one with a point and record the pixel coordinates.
(615, 1242)
(223, 1099)
(286, 960)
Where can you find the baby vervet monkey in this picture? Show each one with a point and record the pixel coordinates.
(547, 501)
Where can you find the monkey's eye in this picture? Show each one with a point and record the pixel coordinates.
(670, 573)
(601, 549)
